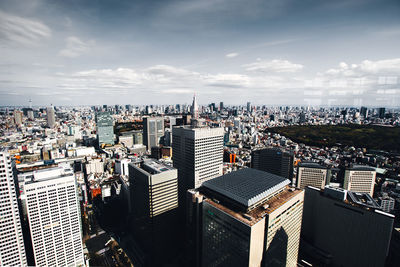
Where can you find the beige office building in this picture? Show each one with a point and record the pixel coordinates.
(311, 174)
(359, 178)
(249, 218)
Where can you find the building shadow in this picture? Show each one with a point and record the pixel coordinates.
(276, 254)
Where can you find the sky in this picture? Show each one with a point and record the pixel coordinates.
(267, 52)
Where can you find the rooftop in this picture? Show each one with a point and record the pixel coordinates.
(154, 167)
(311, 165)
(252, 217)
(247, 186)
(362, 199)
(361, 168)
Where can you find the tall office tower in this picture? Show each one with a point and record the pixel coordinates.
(381, 113)
(248, 106)
(30, 115)
(12, 250)
(154, 192)
(364, 112)
(311, 174)
(105, 128)
(221, 106)
(249, 218)
(194, 109)
(273, 160)
(153, 130)
(344, 228)
(51, 117)
(18, 117)
(197, 154)
(359, 178)
(302, 117)
(54, 217)
(121, 166)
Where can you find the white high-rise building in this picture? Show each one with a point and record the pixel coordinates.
(197, 154)
(359, 178)
(51, 117)
(311, 174)
(53, 214)
(12, 250)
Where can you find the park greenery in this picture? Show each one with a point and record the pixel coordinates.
(359, 136)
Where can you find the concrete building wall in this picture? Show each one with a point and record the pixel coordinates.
(354, 236)
(311, 177)
(12, 250)
(360, 181)
(283, 236)
(54, 221)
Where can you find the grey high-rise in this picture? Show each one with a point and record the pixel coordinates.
(51, 117)
(344, 228)
(273, 160)
(105, 128)
(154, 192)
(153, 130)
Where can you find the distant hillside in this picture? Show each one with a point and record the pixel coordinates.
(368, 136)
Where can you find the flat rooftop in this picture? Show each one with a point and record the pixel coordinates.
(361, 168)
(362, 199)
(313, 165)
(247, 186)
(252, 217)
(153, 166)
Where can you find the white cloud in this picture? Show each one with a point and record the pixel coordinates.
(276, 65)
(227, 80)
(367, 67)
(14, 29)
(75, 47)
(231, 55)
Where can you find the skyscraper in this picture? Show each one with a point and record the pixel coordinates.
(18, 117)
(54, 217)
(154, 192)
(381, 113)
(343, 228)
(359, 178)
(51, 117)
(12, 250)
(311, 174)
(221, 106)
(105, 128)
(364, 112)
(248, 106)
(250, 217)
(153, 130)
(197, 154)
(52, 210)
(194, 109)
(273, 160)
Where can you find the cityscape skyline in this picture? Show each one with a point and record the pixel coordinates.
(274, 52)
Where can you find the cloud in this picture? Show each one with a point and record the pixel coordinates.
(227, 80)
(75, 47)
(169, 70)
(18, 30)
(231, 55)
(276, 65)
(366, 68)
